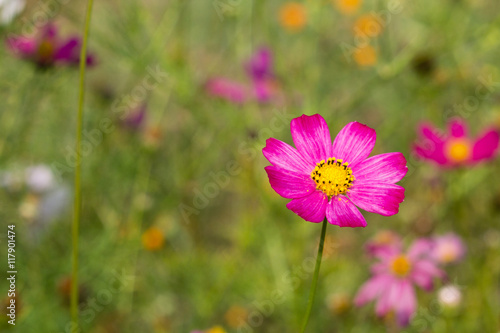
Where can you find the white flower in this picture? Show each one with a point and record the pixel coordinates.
(9, 9)
(450, 296)
(39, 178)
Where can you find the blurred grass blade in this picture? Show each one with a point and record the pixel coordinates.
(77, 195)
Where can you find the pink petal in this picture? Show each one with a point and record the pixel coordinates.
(260, 65)
(290, 184)
(387, 252)
(340, 211)
(380, 198)
(389, 298)
(457, 128)
(407, 303)
(286, 157)
(263, 90)
(311, 208)
(26, 47)
(431, 133)
(420, 247)
(432, 151)
(69, 51)
(371, 289)
(427, 268)
(379, 268)
(432, 145)
(446, 245)
(354, 143)
(312, 137)
(230, 90)
(423, 280)
(485, 146)
(384, 168)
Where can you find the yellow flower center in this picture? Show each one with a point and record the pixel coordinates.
(332, 177)
(458, 150)
(45, 50)
(447, 253)
(216, 329)
(401, 266)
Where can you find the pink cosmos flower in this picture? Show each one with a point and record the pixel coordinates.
(394, 278)
(47, 49)
(456, 147)
(325, 179)
(264, 85)
(227, 89)
(448, 249)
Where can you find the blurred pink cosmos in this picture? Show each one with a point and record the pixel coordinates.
(264, 86)
(456, 147)
(135, 118)
(394, 278)
(47, 49)
(448, 249)
(325, 179)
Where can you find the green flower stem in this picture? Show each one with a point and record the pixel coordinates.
(78, 190)
(312, 292)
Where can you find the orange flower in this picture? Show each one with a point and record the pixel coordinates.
(368, 25)
(293, 16)
(153, 239)
(348, 6)
(365, 56)
(235, 316)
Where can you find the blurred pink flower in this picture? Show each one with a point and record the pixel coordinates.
(229, 90)
(47, 49)
(382, 240)
(264, 85)
(394, 278)
(456, 147)
(331, 180)
(448, 249)
(135, 118)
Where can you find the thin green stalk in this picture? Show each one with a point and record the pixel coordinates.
(312, 292)
(78, 190)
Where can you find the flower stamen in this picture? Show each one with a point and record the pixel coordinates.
(458, 150)
(401, 266)
(333, 177)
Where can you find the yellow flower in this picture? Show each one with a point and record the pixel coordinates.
(216, 329)
(293, 16)
(368, 25)
(339, 303)
(365, 56)
(348, 6)
(153, 239)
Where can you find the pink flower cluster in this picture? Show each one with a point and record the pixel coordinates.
(264, 86)
(397, 272)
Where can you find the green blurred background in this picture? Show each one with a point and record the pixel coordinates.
(221, 257)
